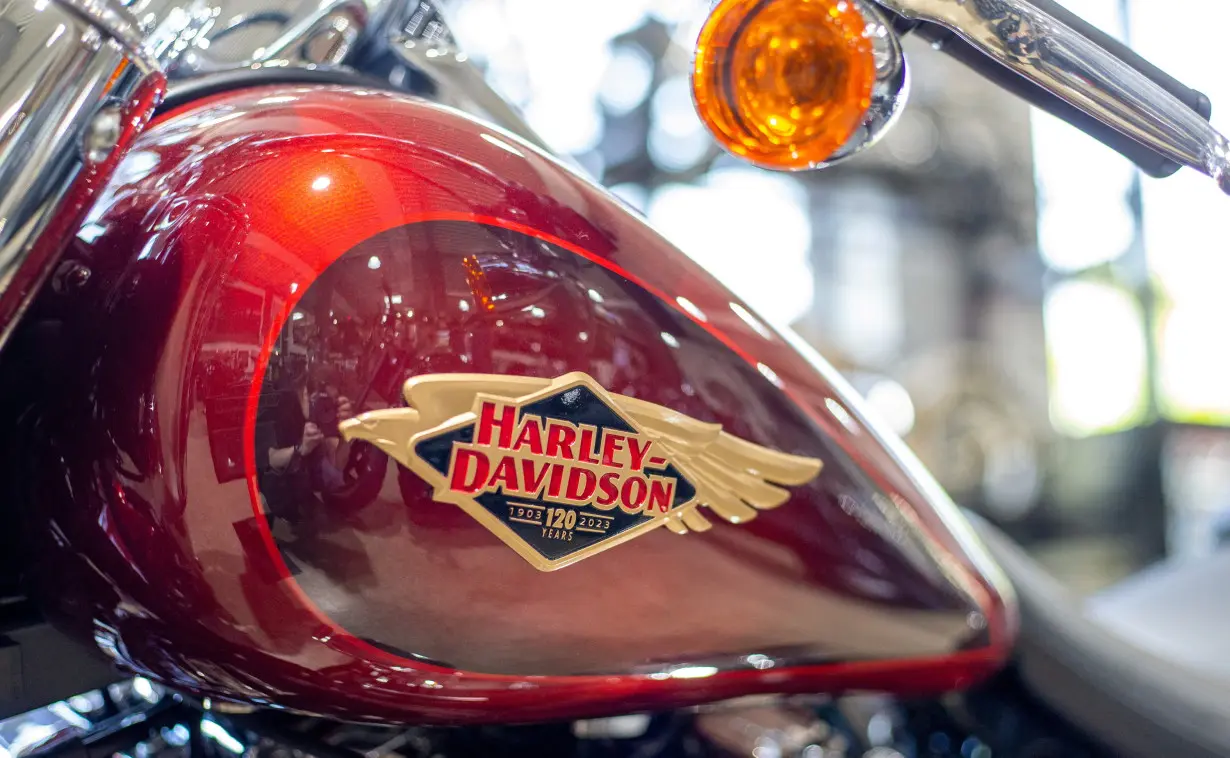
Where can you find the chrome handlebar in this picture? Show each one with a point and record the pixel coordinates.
(1026, 39)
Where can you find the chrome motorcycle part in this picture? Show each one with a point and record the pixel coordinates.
(102, 135)
(777, 727)
(297, 34)
(1022, 36)
(71, 75)
(137, 718)
(889, 93)
(422, 39)
(116, 21)
(197, 41)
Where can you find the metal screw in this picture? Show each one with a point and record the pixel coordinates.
(103, 133)
(70, 277)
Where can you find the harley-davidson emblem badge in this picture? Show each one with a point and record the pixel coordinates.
(562, 469)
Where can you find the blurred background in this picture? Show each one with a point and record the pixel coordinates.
(1041, 323)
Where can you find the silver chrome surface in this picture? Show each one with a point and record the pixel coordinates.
(102, 134)
(195, 37)
(115, 21)
(890, 91)
(58, 64)
(1050, 53)
(420, 36)
(221, 35)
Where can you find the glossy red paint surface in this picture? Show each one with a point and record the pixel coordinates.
(236, 231)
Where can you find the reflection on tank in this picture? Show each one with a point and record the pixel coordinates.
(453, 297)
(344, 352)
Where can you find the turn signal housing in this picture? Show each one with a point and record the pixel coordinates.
(784, 83)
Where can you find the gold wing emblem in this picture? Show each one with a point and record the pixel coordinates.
(732, 477)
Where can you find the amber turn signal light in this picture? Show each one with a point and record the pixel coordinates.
(784, 83)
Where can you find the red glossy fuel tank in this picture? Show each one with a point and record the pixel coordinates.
(268, 256)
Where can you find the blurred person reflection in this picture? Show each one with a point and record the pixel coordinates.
(304, 455)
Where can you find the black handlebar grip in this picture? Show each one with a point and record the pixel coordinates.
(1148, 160)
(1188, 96)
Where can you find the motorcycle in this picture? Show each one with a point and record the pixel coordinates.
(344, 419)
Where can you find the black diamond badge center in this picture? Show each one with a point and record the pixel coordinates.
(565, 472)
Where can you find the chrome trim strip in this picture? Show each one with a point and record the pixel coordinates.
(1051, 54)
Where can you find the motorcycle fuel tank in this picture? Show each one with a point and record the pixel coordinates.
(371, 410)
